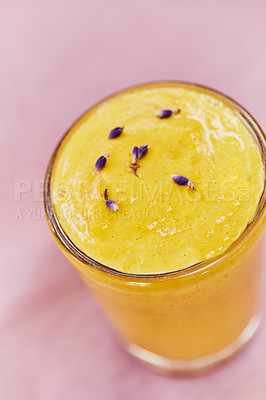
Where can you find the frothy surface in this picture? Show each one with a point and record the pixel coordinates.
(160, 226)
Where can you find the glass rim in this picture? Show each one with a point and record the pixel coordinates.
(71, 248)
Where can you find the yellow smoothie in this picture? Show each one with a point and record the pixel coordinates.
(176, 270)
(160, 226)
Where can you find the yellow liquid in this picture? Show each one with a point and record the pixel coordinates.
(160, 226)
(196, 312)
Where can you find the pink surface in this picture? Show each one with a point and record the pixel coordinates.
(57, 58)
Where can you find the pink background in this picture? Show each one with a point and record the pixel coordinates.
(57, 58)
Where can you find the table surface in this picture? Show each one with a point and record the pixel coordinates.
(57, 58)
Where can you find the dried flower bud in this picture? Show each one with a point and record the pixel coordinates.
(100, 163)
(143, 150)
(135, 152)
(109, 203)
(182, 180)
(167, 113)
(112, 205)
(114, 133)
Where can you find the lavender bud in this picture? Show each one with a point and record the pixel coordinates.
(109, 203)
(112, 205)
(164, 114)
(114, 133)
(142, 150)
(167, 113)
(100, 163)
(182, 180)
(135, 153)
